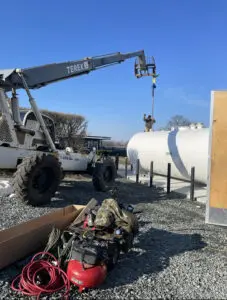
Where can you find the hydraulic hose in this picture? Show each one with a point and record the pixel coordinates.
(42, 277)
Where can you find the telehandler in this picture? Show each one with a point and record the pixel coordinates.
(27, 145)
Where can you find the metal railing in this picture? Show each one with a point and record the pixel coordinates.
(167, 176)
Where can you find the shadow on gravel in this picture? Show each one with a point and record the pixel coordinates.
(81, 191)
(153, 249)
(151, 254)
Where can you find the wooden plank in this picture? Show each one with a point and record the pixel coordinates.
(218, 155)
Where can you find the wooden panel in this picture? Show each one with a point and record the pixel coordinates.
(218, 167)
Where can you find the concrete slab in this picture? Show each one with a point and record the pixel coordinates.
(177, 186)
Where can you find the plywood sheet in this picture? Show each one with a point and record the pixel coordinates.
(218, 155)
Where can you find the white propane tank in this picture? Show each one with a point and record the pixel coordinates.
(183, 148)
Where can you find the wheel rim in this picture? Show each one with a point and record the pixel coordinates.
(43, 179)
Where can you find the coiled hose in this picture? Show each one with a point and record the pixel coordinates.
(42, 277)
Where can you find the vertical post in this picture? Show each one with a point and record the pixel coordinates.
(117, 161)
(151, 173)
(168, 177)
(192, 184)
(126, 167)
(131, 167)
(152, 114)
(137, 170)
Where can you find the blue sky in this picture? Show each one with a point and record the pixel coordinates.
(187, 39)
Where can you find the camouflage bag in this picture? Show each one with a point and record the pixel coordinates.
(110, 214)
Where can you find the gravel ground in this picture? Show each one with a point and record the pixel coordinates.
(175, 255)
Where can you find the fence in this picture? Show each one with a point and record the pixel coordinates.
(168, 176)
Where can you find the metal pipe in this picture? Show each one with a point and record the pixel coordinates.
(137, 170)
(192, 185)
(179, 179)
(38, 114)
(168, 178)
(117, 162)
(15, 109)
(151, 173)
(126, 167)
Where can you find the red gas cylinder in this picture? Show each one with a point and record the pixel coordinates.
(86, 276)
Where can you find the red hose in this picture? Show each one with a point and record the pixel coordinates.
(27, 280)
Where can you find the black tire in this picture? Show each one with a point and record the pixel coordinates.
(90, 170)
(104, 175)
(37, 179)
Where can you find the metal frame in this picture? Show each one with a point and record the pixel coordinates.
(168, 176)
(179, 179)
(38, 114)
